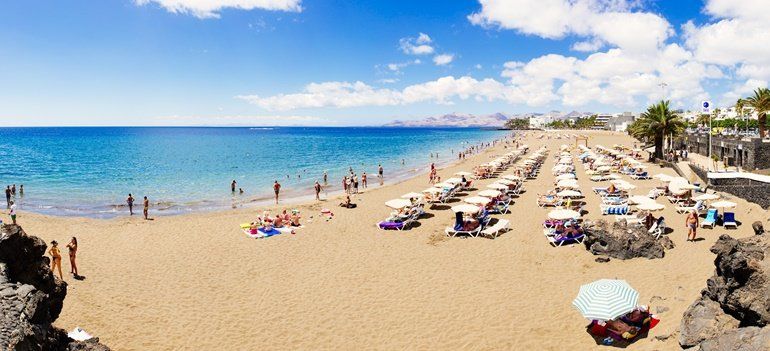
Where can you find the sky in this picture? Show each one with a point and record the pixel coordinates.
(337, 62)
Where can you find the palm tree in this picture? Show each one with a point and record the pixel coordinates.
(739, 105)
(656, 123)
(760, 102)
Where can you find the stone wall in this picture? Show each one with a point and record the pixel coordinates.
(750, 154)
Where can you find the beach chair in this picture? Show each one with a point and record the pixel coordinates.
(728, 220)
(711, 219)
(501, 207)
(614, 209)
(599, 189)
(634, 220)
(658, 228)
(559, 241)
(640, 176)
(697, 207)
(654, 193)
(501, 225)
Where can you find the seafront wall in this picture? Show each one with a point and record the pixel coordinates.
(749, 186)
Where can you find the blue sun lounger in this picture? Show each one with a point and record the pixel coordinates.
(711, 219)
(728, 220)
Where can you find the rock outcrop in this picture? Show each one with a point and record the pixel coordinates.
(733, 311)
(624, 242)
(31, 298)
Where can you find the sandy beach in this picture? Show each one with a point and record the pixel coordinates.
(196, 281)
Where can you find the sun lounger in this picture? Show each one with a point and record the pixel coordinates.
(614, 209)
(501, 225)
(449, 231)
(697, 207)
(630, 219)
(711, 219)
(502, 207)
(728, 220)
(658, 228)
(556, 242)
(640, 176)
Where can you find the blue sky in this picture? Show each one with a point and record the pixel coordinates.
(259, 62)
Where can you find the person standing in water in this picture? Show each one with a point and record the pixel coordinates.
(146, 209)
(317, 188)
(277, 189)
(73, 251)
(326, 178)
(363, 179)
(21, 190)
(130, 202)
(8, 196)
(232, 186)
(380, 173)
(13, 190)
(55, 258)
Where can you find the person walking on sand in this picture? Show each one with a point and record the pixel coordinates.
(317, 187)
(55, 258)
(12, 212)
(232, 186)
(345, 184)
(276, 189)
(146, 209)
(72, 247)
(692, 225)
(130, 202)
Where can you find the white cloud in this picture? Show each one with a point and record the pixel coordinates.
(441, 91)
(478, 66)
(211, 8)
(588, 45)
(416, 46)
(443, 59)
(602, 21)
(241, 120)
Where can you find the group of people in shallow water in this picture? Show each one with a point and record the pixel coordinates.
(55, 253)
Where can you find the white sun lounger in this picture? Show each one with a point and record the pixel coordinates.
(494, 230)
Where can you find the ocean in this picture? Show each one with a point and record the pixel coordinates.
(89, 171)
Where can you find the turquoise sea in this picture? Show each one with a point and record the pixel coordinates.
(89, 171)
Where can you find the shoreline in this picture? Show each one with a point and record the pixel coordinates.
(296, 196)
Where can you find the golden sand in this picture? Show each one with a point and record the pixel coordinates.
(197, 282)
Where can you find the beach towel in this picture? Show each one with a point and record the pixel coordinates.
(390, 225)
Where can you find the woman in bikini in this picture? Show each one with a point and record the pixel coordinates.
(55, 258)
(73, 251)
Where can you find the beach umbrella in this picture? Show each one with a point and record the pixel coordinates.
(528, 161)
(564, 176)
(606, 299)
(723, 204)
(639, 199)
(411, 196)
(398, 204)
(463, 173)
(650, 206)
(505, 181)
(478, 200)
(687, 186)
(706, 197)
(497, 186)
(445, 185)
(490, 193)
(511, 177)
(569, 193)
(603, 169)
(465, 208)
(453, 180)
(567, 183)
(625, 186)
(612, 176)
(663, 177)
(562, 214)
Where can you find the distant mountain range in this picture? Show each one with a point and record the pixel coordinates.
(471, 120)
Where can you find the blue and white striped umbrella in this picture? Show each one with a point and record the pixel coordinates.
(606, 299)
